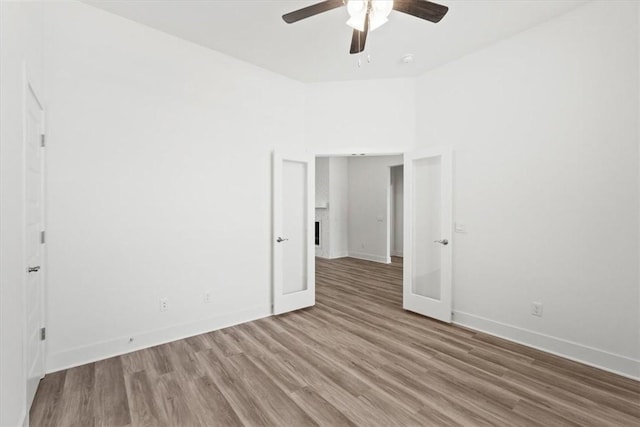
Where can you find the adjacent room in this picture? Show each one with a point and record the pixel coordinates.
(358, 207)
(306, 212)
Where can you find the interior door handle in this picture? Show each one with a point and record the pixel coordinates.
(280, 239)
(33, 269)
(443, 242)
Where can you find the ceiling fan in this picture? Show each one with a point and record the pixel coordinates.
(367, 15)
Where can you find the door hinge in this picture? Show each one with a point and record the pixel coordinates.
(42, 237)
(43, 334)
(42, 140)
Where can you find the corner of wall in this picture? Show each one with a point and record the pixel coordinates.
(597, 358)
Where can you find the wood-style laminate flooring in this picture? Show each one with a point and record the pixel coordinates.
(356, 358)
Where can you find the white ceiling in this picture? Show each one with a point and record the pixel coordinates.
(317, 48)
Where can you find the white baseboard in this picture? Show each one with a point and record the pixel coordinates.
(601, 359)
(103, 350)
(370, 257)
(339, 255)
(397, 253)
(617, 364)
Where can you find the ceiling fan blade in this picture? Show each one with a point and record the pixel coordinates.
(312, 10)
(359, 38)
(421, 9)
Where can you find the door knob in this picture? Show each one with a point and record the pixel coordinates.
(33, 269)
(443, 242)
(280, 239)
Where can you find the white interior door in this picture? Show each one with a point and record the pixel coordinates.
(428, 177)
(293, 232)
(34, 224)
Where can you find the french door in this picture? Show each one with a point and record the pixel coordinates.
(293, 232)
(428, 176)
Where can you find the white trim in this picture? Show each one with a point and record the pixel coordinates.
(370, 257)
(339, 255)
(615, 363)
(391, 216)
(105, 349)
(357, 152)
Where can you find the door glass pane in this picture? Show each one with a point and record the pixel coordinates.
(294, 226)
(427, 223)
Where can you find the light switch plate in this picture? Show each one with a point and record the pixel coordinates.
(461, 227)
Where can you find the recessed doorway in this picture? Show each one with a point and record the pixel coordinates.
(359, 218)
(351, 197)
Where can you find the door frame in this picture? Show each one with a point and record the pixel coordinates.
(30, 90)
(360, 152)
(391, 217)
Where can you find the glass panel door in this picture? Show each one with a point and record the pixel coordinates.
(293, 232)
(427, 238)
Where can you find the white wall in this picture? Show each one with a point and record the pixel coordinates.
(397, 226)
(20, 48)
(149, 134)
(339, 207)
(322, 181)
(159, 183)
(322, 204)
(545, 131)
(371, 116)
(332, 206)
(638, 140)
(368, 206)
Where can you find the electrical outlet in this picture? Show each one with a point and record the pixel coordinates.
(207, 297)
(164, 304)
(536, 309)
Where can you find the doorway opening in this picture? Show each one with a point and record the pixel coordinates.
(356, 205)
(359, 222)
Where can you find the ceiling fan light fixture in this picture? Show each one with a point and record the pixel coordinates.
(380, 10)
(367, 15)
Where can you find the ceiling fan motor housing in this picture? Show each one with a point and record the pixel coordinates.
(379, 11)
